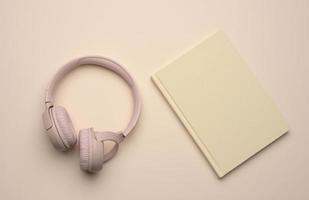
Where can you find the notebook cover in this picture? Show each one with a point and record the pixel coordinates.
(220, 102)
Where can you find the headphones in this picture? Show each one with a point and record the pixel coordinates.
(59, 126)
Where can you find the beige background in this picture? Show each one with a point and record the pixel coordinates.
(159, 161)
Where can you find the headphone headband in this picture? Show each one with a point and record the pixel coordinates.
(105, 63)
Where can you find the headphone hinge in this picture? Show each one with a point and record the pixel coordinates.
(49, 104)
(47, 121)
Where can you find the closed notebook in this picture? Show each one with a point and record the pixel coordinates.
(220, 102)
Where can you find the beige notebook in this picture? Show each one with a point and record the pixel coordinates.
(220, 102)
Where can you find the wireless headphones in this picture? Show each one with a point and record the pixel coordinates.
(60, 129)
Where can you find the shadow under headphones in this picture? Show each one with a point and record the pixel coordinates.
(60, 129)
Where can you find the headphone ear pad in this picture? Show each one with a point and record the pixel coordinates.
(64, 126)
(91, 151)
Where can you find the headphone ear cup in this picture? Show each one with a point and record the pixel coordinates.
(91, 151)
(64, 126)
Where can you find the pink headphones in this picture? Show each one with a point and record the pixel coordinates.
(60, 128)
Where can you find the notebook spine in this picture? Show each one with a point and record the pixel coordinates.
(187, 125)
